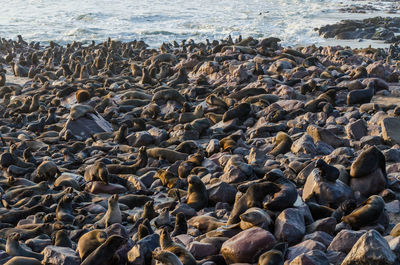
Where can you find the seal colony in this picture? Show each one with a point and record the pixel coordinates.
(222, 152)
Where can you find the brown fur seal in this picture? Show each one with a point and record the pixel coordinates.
(141, 162)
(205, 223)
(80, 110)
(253, 197)
(113, 214)
(167, 154)
(105, 254)
(197, 196)
(14, 249)
(241, 111)
(47, 170)
(189, 116)
(89, 242)
(23, 261)
(82, 95)
(285, 197)
(97, 172)
(166, 257)
(169, 94)
(180, 225)
(283, 143)
(367, 213)
(193, 161)
(120, 137)
(275, 256)
(62, 240)
(64, 209)
(168, 179)
(180, 251)
(149, 212)
(255, 217)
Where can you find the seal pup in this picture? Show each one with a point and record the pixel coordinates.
(47, 170)
(283, 143)
(105, 254)
(90, 241)
(61, 239)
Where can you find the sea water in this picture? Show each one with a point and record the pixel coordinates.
(157, 21)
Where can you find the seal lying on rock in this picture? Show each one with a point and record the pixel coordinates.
(105, 254)
(89, 242)
(366, 214)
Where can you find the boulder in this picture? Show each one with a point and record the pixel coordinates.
(247, 246)
(221, 192)
(391, 130)
(304, 145)
(356, 130)
(314, 257)
(345, 240)
(290, 226)
(53, 255)
(370, 248)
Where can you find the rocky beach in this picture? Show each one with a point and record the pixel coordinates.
(236, 150)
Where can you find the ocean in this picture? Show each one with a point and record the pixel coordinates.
(157, 21)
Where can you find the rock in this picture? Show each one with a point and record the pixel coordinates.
(141, 252)
(290, 226)
(370, 248)
(325, 192)
(392, 155)
(376, 69)
(83, 127)
(324, 135)
(53, 255)
(139, 139)
(233, 175)
(201, 250)
(345, 240)
(356, 130)
(371, 184)
(304, 145)
(314, 257)
(335, 257)
(320, 236)
(394, 245)
(159, 135)
(247, 246)
(221, 192)
(304, 247)
(327, 225)
(391, 130)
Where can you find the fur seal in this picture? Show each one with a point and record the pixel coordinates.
(253, 197)
(180, 225)
(47, 170)
(368, 161)
(64, 209)
(168, 94)
(328, 172)
(275, 256)
(134, 200)
(113, 214)
(180, 251)
(105, 254)
(89, 242)
(23, 261)
(366, 214)
(149, 212)
(241, 111)
(82, 95)
(285, 197)
(255, 217)
(205, 223)
(166, 257)
(193, 161)
(197, 196)
(97, 172)
(141, 162)
(167, 154)
(62, 240)
(14, 249)
(283, 143)
(80, 110)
